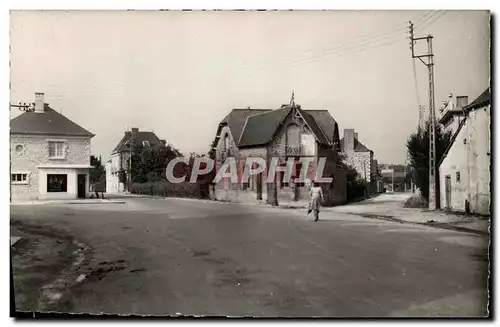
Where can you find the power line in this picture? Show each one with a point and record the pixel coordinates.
(364, 41)
(416, 83)
(367, 39)
(431, 21)
(370, 44)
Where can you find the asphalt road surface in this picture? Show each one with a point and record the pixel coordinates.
(168, 257)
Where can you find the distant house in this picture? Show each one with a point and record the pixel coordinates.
(50, 155)
(358, 155)
(287, 132)
(396, 178)
(464, 170)
(120, 156)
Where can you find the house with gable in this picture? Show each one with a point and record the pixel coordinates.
(50, 155)
(120, 156)
(359, 156)
(286, 132)
(464, 169)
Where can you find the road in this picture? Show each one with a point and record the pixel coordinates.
(207, 258)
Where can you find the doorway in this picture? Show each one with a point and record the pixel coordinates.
(81, 186)
(448, 191)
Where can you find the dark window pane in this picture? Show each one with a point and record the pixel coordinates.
(57, 183)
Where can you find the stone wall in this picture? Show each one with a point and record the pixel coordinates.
(29, 151)
(362, 162)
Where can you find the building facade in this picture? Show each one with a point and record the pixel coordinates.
(50, 155)
(453, 113)
(120, 157)
(464, 170)
(283, 134)
(360, 157)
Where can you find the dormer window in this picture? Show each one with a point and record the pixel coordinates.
(145, 144)
(293, 136)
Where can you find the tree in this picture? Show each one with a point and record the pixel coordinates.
(356, 185)
(212, 152)
(97, 173)
(149, 163)
(418, 150)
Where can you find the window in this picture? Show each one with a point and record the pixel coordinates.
(293, 136)
(226, 142)
(145, 143)
(56, 149)
(19, 178)
(57, 183)
(458, 176)
(19, 148)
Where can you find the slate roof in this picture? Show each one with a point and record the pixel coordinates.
(236, 120)
(259, 129)
(481, 101)
(262, 124)
(139, 138)
(313, 125)
(358, 146)
(49, 122)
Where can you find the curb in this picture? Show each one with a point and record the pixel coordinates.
(65, 202)
(447, 226)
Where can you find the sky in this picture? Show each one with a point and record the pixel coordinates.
(179, 73)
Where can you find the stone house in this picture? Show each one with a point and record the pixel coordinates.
(120, 156)
(464, 169)
(49, 155)
(284, 133)
(358, 156)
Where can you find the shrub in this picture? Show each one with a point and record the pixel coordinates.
(416, 201)
(166, 189)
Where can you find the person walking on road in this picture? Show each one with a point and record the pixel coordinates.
(316, 193)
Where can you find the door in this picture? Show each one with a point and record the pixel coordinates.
(81, 186)
(259, 186)
(448, 191)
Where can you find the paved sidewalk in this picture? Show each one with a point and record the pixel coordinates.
(390, 206)
(78, 201)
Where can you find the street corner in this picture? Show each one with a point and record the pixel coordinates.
(44, 262)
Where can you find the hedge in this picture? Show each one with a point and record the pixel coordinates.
(198, 190)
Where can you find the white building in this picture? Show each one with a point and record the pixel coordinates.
(120, 157)
(465, 167)
(50, 155)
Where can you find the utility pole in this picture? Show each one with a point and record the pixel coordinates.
(429, 63)
(130, 160)
(421, 118)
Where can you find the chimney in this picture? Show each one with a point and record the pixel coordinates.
(134, 133)
(39, 102)
(348, 139)
(356, 136)
(462, 101)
